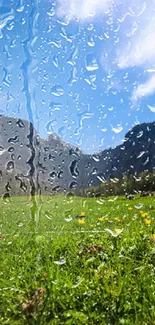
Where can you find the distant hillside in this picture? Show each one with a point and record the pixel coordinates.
(29, 163)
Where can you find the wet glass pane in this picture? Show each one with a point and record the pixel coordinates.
(77, 162)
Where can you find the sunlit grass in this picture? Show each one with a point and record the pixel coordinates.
(90, 261)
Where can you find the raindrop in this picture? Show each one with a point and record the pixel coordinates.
(23, 186)
(73, 185)
(48, 216)
(10, 97)
(68, 219)
(20, 123)
(73, 78)
(118, 129)
(51, 12)
(96, 157)
(140, 134)
(57, 91)
(55, 106)
(20, 7)
(56, 188)
(10, 166)
(8, 187)
(60, 174)
(101, 178)
(104, 129)
(94, 171)
(91, 62)
(61, 262)
(6, 196)
(11, 149)
(43, 88)
(146, 161)
(72, 57)
(139, 206)
(91, 42)
(69, 195)
(141, 154)
(49, 127)
(13, 140)
(73, 168)
(55, 61)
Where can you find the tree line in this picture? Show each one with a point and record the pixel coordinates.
(127, 184)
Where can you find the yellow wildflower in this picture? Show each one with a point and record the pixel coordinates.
(130, 209)
(144, 214)
(147, 221)
(91, 226)
(116, 219)
(117, 231)
(82, 214)
(153, 237)
(100, 219)
(140, 211)
(106, 219)
(81, 222)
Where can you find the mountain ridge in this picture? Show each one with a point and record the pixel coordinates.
(55, 165)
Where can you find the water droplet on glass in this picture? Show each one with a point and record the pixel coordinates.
(51, 12)
(73, 185)
(55, 61)
(56, 188)
(57, 91)
(10, 166)
(91, 62)
(60, 262)
(55, 106)
(14, 139)
(68, 219)
(96, 157)
(49, 127)
(74, 168)
(117, 129)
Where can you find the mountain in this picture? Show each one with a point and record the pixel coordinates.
(29, 164)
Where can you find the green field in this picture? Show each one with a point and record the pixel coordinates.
(58, 269)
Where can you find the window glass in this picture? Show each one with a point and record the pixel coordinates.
(77, 143)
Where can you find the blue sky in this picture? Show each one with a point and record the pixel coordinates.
(84, 69)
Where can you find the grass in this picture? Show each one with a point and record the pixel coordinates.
(98, 271)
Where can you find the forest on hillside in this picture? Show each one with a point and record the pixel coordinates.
(143, 183)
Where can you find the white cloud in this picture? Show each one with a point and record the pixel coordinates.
(139, 48)
(142, 50)
(135, 21)
(83, 9)
(145, 89)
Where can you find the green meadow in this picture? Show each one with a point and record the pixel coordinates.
(77, 261)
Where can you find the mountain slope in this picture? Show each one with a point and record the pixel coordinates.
(29, 163)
